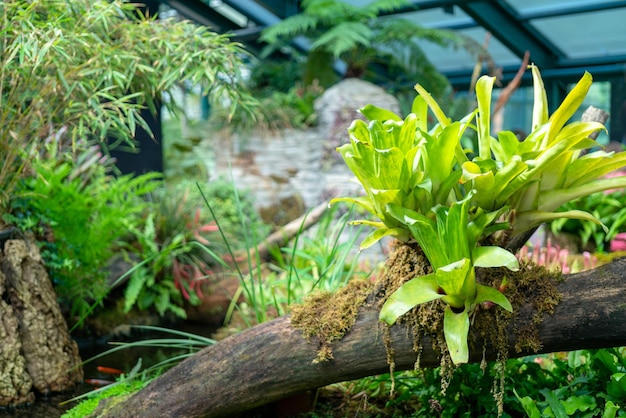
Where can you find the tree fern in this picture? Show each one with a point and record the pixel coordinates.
(344, 37)
(290, 28)
(360, 37)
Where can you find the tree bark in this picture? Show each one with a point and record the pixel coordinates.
(36, 350)
(273, 360)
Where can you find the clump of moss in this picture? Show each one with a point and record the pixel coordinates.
(407, 261)
(532, 292)
(329, 316)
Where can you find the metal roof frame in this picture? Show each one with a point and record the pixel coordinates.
(510, 27)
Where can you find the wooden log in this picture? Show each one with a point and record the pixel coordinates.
(273, 360)
(261, 252)
(36, 350)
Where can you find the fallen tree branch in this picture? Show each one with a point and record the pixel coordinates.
(279, 238)
(273, 360)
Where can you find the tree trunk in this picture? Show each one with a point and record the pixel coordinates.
(36, 353)
(273, 361)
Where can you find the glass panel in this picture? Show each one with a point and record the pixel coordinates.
(437, 18)
(536, 6)
(587, 35)
(456, 60)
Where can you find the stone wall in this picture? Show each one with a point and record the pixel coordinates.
(301, 166)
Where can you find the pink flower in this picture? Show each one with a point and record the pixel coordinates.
(613, 174)
(618, 243)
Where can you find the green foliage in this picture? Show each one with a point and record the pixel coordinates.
(577, 384)
(358, 36)
(315, 260)
(451, 245)
(320, 259)
(151, 283)
(235, 212)
(80, 215)
(608, 208)
(122, 388)
(272, 76)
(422, 185)
(277, 110)
(91, 67)
(180, 246)
(588, 383)
(182, 344)
(183, 160)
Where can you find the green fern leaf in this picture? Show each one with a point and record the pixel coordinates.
(344, 37)
(378, 7)
(134, 287)
(290, 28)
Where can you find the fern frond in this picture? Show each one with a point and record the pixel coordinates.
(392, 30)
(332, 12)
(378, 7)
(291, 27)
(344, 37)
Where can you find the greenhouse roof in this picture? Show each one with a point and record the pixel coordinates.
(564, 37)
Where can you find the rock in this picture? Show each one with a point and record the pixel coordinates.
(302, 164)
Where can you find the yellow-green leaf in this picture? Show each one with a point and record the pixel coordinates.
(569, 106)
(492, 256)
(416, 291)
(455, 330)
(372, 112)
(540, 106)
(484, 86)
(489, 294)
(434, 106)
